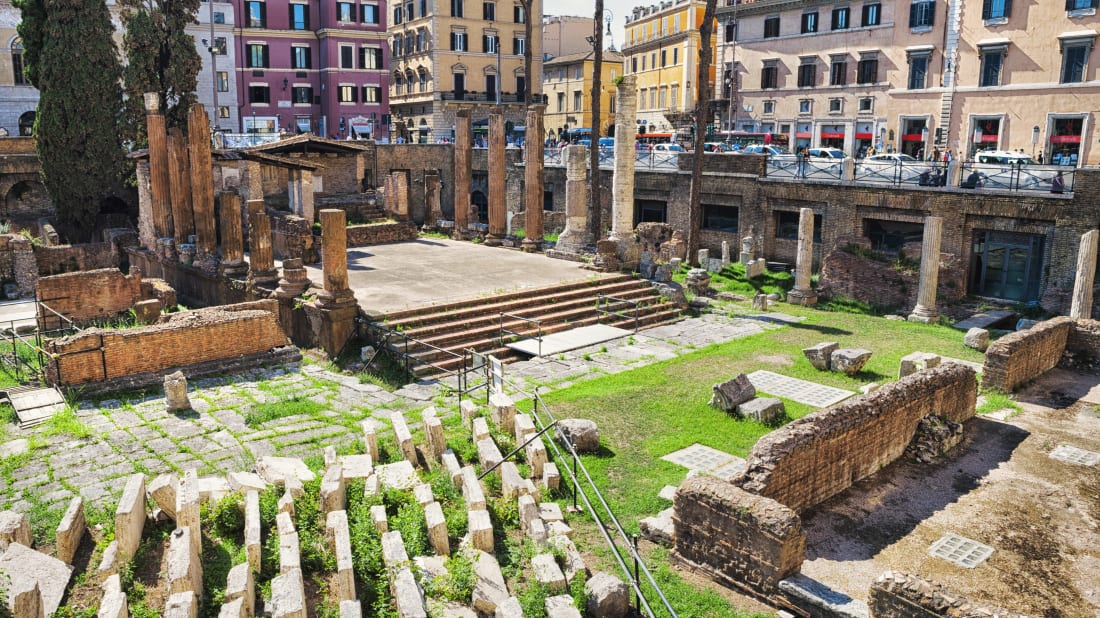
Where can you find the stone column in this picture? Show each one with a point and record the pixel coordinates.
(925, 311)
(251, 206)
(309, 212)
(400, 187)
(179, 182)
(576, 238)
(1081, 309)
(336, 301)
(533, 179)
(261, 263)
(202, 184)
(294, 190)
(434, 211)
(146, 234)
(803, 294)
(294, 283)
(622, 204)
(159, 181)
(462, 174)
(497, 208)
(232, 264)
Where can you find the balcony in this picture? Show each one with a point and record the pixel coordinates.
(481, 97)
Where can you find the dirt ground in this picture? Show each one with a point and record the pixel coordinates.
(999, 487)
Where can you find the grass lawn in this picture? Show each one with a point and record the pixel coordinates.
(649, 412)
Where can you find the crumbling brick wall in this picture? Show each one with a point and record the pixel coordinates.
(738, 538)
(882, 284)
(362, 235)
(899, 595)
(1026, 354)
(1084, 339)
(180, 339)
(818, 456)
(71, 258)
(292, 237)
(89, 295)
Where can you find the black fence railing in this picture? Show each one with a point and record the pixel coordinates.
(470, 375)
(518, 335)
(815, 168)
(614, 306)
(1018, 177)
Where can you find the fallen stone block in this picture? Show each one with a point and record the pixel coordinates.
(14, 528)
(528, 511)
(509, 608)
(582, 433)
(407, 595)
(551, 479)
(423, 494)
(511, 483)
(849, 361)
(113, 602)
(760, 303)
(233, 609)
(109, 562)
(431, 567)
(559, 528)
(572, 562)
(503, 412)
(356, 466)
(606, 596)
(240, 585)
(284, 523)
(252, 547)
(184, 571)
(370, 439)
(330, 455)
(481, 429)
(480, 527)
(490, 590)
(437, 529)
(869, 388)
(175, 390)
(536, 457)
(294, 487)
(488, 453)
(351, 609)
(525, 428)
(393, 550)
(372, 485)
(378, 517)
(333, 497)
(668, 492)
(433, 431)
(472, 490)
(726, 396)
(762, 409)
(561, 606)
(548, 573)
(398, 475)
(182, 605)
(244, 482)
(290, 552)
(450, 463)
(404, 437)
(659, 528)
(286, 504)
(27, 569)
(163, 492)
(336, 528)
(24, 600)
(469, 413)
(550, 511)
(288, 596)
(819, 354)
(537, 532)
(276, 470)
(130, 517)
(916, 361)
(977, 338)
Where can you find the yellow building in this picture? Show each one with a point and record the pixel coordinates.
(567, 84)
(661, 51)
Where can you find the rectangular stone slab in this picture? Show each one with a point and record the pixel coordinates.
(802, 391)
(24, 566)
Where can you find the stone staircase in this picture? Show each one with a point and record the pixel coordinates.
(475, 324)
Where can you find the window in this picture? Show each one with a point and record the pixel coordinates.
(809, 22)
(720, 218)
(872, 14)
(223, 111)
(489, 11)
(458, 41)
(421, 40)
(643, 61)
(299, 58)
(219, 17)
(769, 75)
(299, 17)
(372, 94)
(489, 43)
(838, 72)
(786, 226)
(370, 58)
(578, 72)
(993, 59)
(368, 13)
(866, 104)
(577, 100)
(996, 9)
(519, 16)
(347, 57)
(345, 11)
(675, 55)
(771, 27)
(769, 107)
(409, 12)
(867, 70)
(918, 71)
(661, 97)
(840, 18)
(409, 44)
(303, 95)
(347, 94)
(836, 105)
(457, 8)
(1075, 57)
(729, 32)
(223, 81)
(423, 8)
(521, 87)
(257, 14)
(257, 56)
(561, 101)
(220, 46)
(259, 94)
(423, 79)
(805, 106)
(398, 45)
(398, 14)
(1080, 5)
(519, 46)
(634, 64)
(922, 14)
(664, 58)
(807, 73)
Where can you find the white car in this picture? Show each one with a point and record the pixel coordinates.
(766, 149)
(891, 158)
(826, 153)
(668, 148)
(890, 167)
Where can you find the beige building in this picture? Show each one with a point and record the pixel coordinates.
(567, 84)
(911, 76)
(661, 50)
(564, 35)
(447, 55)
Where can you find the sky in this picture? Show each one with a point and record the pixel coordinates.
(586, 8)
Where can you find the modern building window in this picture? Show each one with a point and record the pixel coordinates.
(1075, 57)
(922, 14)
(521, 87)
(867, 70)
(519, 46)
(257, 14)
(838, 72)
(519, 16)
(368, 13)
(809, 22)
(996, 9)
(421, 40)
(370, 58)
(489, 11)
(836, 105)
(303, 95)
(409, 41)
(223, 81)
(220, 46)
(1080, 5)
(423, 78)
(219, 17)
(643, 61)
(807, 73)
(771, 27)
(257, 56)
(372, 94)
(634, 64)
(345, 11)
(458, 41)
(866, 104)
(457, 8)
(918, 71)
(769, 75)
(347, 57)
(223, 111)
(347, 94)
(489, 43)
(872, 14)
(491, 86)
(661, 97)
(840, 18)
(577, 100)
(299, 17)
(675, 95)
(259, 94)
(769, 107)
(993, 59)
(730, 28)
(300, 58)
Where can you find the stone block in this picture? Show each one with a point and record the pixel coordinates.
(762, 409)
(551, 479)
(407, 595)
(606, 596)
(472, 491)
(333, 496)
(756, 268)
(163, 492)
(14, 528)
(356, 466)
(437, 529)
(276, 470)
(659, 528)
(509, 608)
(481, 429)
(28, 569)
(849, 361)
(977, 338)
(537, 532)
(398, 475)
(370, 439)
(351, 609)
(378, 518)
(819, 354)
(404, 437)
(233, 609)
(433, 431)
(113, 602)
(182, 605)
(450, 463)
(130, 517)
(548, 573)
(525, 428)
(243, 482)
(550, 511)
(480, 527)
(252, 529)
(869, 388)
(294, 487)
(109, 562)
(914, 362)
(288, 595)
(536, 457)
(469, 412)
(511, 482)
(284, 523)
(213, 488)
(24, 601)
(175, 393)
(372, 485)
(290, 552)
(489, 590)
(760, 303)
(582, 433)
(70, 531)
(561, 606)
(241, 585)
(528, 511)
(329, 455)
(336, 529)
(184, 571)
(559, 528)
(423, 494)
(573, 562)
(503, 412)
(393, 550)
(726, 396)
(668, 492)
(488, 453)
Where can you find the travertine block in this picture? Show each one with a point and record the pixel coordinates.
(241, 585)
(288, 596)
(423, 494)
(536, 457)
(332, 489)
(182, 605)
(252, 529)
(503, 412)
(481, 530)
(130, 517)
(480, 429)
(378, 516)
(472, 490)
(370, 439)
(14, 528)
(163, 492)
(184, 572)
(336, 527)
(550, 477)
(404, 437)
(437, 529)
(488, 453)
(70, 531)
(548, 573)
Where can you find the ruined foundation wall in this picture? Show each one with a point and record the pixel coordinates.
(818, 456)
(1026, 354)
(362, 235)
(1084, 339)
(71, 258)
(292, 237)
(90, 295)
(899, 595)
(737, 538)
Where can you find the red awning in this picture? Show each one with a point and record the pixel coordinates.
(804, 135)
(865, 136)
(1065, 139)
(911, 137)
(832, 135)
(989, 138)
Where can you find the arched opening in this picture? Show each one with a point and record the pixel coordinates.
(24, 197)
(479, 201)
(26, 124)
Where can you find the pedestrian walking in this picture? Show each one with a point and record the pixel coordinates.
(1058, 184)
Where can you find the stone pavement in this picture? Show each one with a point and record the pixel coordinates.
(133, 433)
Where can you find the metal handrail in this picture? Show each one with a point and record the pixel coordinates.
(404, 349)
(816, 168)
(600, 311)
(537, 323)
(1017, 177)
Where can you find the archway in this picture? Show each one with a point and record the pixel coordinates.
(26, 123)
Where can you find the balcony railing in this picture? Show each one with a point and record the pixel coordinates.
(484, 97)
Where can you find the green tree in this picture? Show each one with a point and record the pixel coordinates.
(161, 58)
(73, 62)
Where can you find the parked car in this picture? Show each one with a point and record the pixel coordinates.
(890, 167)
(668, 148)
(1005, 157)
(767, 149)
(717, 147)
(891, 158)
(826, 153)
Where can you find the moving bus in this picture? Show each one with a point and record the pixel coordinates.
(745, 138)
(655, 138)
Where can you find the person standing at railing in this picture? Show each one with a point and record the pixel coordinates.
(1058, 184)
(800, 172)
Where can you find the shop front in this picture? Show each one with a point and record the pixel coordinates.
(914, 134)
(985, 134)
(865, 138)
(803, 135)
(832, 136)
(1064, 142)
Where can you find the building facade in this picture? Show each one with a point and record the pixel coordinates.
(661, 50)
(311, 66)
(449, 55)
(216, 85)
(567, 84)
(564, 35)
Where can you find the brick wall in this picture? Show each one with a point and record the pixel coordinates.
(738, 538)
(292, 237)
(553, 222)
(71, 258)
(882, 284)
(89, 295)
(900, 595)
(818, 456)
(419, 159)
(378, 233)
(1084, 338)
(186, 338)
(1024, 355)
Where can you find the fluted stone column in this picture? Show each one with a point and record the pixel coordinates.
(232, 263)
(179, 182)
(202, 184)
(925, 311)
(462, 174)
(622, 193)
(534, 180)
(576, 238)
(498, 220)
(1081, 309)
(803, 294)
(261, 261)
(159, 175)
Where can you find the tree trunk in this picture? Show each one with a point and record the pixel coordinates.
(702, 99)
(594, 146)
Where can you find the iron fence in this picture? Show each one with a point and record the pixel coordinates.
(789, 166)
(605, 304)
(896, 173)
(397, 343)
(1017, 177)
(517, 334)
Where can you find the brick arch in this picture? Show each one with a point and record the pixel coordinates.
(23, 197)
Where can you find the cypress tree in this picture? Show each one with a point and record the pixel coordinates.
(73, 62)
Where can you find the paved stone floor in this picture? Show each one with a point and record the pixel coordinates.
(133, 433)
(802, 391)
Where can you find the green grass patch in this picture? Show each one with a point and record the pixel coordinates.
(261, 413)
(996, 400)
(733, 279)
(66, 423)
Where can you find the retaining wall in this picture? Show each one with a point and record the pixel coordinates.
(899, 595)
(1026, 354)
(1084, 338)
(378, 233)
(89, 295)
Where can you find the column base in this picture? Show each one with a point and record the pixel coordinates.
(806, 298)
(233, 270)
(493, 240)
(335, 300)
(337, 326)
(531, 246)
(924, 315)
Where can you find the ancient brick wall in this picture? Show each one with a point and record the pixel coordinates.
(292, 237)
(1025, 355)
(419, 159)
(362, 235)
(553, 222)
(71, 258)
(882, 284)
(738, 538)
(900, 595)
(91, 294)
(818, 456)
(1084, 338)
(181, 339)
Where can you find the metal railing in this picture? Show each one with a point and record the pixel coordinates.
(512, 333)
(603, 301)
(243, 140)
(22, 346)
(398, 343)
(895, 173)
(815, 168)
(643, 159)
(1017, 177)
